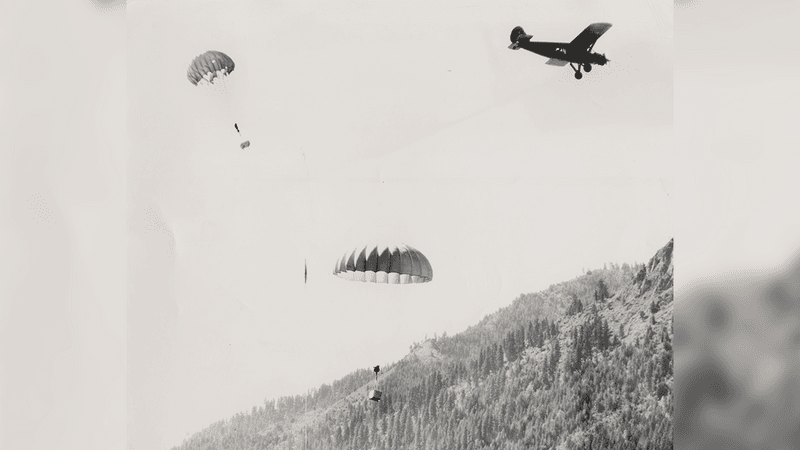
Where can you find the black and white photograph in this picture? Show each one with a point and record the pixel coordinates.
(399, 225)
(241, 224)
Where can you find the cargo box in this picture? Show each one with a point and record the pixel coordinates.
(375, 395)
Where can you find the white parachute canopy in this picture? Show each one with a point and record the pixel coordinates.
(384, 263)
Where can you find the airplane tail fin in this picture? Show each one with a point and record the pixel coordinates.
(518, 34)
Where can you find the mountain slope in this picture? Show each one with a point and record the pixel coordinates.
(584, 364)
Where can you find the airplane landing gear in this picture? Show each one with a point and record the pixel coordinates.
(587, 68)
(578, 74)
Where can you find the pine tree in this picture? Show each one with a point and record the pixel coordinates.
(555, 355)
(530, 338)
(602, 291)
(575, 307)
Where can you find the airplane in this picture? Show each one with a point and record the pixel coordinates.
(578, 52)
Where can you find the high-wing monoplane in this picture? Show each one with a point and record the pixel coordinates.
(578, 53)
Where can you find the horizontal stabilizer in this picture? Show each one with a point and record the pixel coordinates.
(514, 46)
(556, 62)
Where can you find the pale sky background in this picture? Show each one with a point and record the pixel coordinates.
(408, 121)
(62, 226)
(71, 218)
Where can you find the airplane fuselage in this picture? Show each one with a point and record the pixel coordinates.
(576, 53)
(562, 51)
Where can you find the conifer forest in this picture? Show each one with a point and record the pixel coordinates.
(585, 364)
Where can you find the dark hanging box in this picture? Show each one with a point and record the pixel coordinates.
(375, 395)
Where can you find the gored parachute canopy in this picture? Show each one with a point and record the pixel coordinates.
(401, 264)
(208, 66)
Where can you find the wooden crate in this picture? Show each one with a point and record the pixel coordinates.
(375, 395)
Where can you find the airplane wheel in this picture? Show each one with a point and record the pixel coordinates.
(578, 75)
(587, 68)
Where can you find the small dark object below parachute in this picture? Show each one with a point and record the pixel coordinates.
(244, 144)
(375, 395)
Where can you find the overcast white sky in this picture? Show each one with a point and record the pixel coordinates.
(402, 120)
(409, 121)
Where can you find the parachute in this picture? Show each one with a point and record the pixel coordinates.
(210, 66)
(401, 264)
(387, 264)
(210, 72)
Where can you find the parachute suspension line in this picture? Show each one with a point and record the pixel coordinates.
(221, 92)
(217, 89)
(217, 96)
(375, 394)
(223, 86)
(223, 78)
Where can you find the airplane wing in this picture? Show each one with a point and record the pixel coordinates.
(587, 38)
(556, 62)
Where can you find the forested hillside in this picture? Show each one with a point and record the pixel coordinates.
(585, 364)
